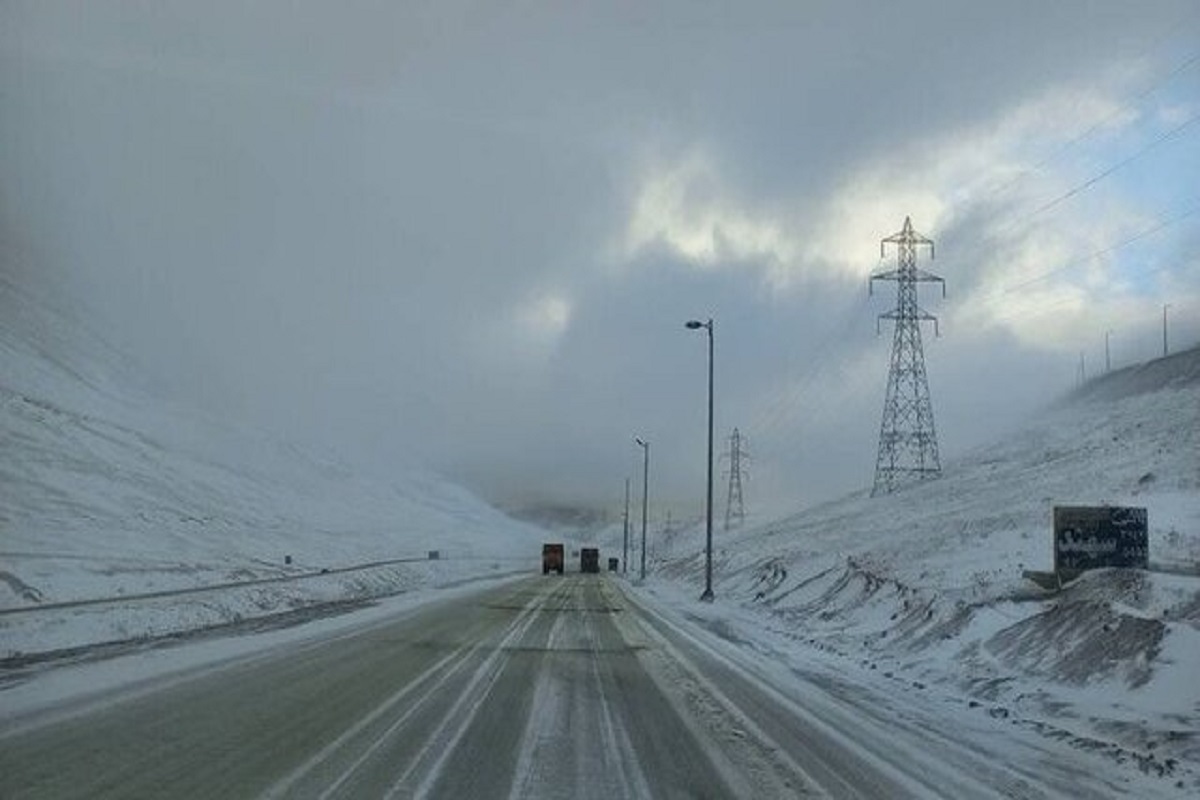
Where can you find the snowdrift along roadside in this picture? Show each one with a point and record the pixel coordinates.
(107, 491)
(926, 584)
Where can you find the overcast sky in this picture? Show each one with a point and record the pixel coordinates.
(470, 233)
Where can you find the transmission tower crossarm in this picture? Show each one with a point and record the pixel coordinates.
(907, 237)
(921, 315)
(919, 275)
(928, 277)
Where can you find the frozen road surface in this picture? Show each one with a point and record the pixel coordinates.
(542, 688)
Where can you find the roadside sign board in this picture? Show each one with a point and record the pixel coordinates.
(1093, 537)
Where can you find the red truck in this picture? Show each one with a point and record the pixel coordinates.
(553, 558)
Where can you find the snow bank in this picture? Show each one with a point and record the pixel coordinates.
(107, 492)
(928, 582)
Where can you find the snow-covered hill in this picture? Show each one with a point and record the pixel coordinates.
(926, 584)
(107, 491)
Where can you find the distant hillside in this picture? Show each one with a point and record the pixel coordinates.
(928, 582)
(568, 519)
(106, 489)
(1176, 371)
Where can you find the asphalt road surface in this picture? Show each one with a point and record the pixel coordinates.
(551, 687)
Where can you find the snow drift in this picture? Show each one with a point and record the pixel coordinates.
(927, 584)
(107, 491)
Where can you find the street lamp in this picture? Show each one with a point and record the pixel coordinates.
(695, 324)
(625, 540)
(1165, 307)
(645, 493)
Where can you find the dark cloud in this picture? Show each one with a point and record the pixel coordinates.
(409, 231)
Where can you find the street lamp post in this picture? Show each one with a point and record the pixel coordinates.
(1165, 307)
(645, 493)
(625, 539)
(707, 597)
(1107, 360)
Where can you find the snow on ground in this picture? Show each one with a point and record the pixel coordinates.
(105, 681)
(106, 491)
(926, 587)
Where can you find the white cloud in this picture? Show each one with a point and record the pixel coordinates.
(433, 189)
(1034, 274)
(937, 179)
(547, 315)
(689, 208)
(1177, 113)
(699, 214)
(543, 319)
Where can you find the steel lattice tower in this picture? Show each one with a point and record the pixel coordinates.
(734, 508)
(908, 449)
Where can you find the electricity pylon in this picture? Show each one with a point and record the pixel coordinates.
(735, 510)
(908, 449)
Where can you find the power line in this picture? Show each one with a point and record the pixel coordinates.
(772, 417)
(1157, 227)
(1076, 140)
(1150, 231)
(1092, 181)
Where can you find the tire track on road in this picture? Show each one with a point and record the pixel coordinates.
(423, 773)
(841, 749)
(439, 673)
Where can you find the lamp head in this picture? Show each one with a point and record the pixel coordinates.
(693, 324)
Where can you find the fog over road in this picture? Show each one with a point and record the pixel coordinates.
(543, 687)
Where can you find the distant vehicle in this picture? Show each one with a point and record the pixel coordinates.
(614, 564)
(552, 558)
(589, 559)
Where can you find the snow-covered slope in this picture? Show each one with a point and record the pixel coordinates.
(927, 583)
(107, 491)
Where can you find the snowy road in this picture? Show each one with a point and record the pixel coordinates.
(547, 687)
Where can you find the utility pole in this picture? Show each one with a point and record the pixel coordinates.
(908, 448)
(1107, 359)
(734, 507)
(707, 595)
(1165, 307)
(645, 495)
(625, 538)
(1082, 370)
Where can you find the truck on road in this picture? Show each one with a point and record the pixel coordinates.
(589, 559)
(552, 558)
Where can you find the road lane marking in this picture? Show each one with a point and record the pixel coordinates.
(633, 779)
(459, 656)
(474, 693)
(570, 706)
(547, 704)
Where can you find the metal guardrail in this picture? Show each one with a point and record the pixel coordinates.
(216, 587)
